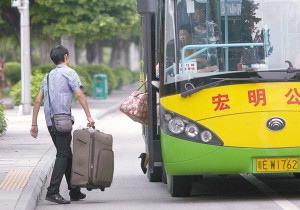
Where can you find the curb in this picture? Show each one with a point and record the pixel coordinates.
(32, 191)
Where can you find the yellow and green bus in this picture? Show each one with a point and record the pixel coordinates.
(228, 85)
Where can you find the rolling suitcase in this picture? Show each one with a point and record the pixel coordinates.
(93, 159)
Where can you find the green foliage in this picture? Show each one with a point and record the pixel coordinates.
(85, 19)
(124, 76)
(16, 93)
(86, 80)
(44, 69)
(36, 81)
(115, 78)
(100, 69)
(3, 123)
(13, 72)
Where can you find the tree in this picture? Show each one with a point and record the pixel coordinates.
(84, 20)
(10, 25)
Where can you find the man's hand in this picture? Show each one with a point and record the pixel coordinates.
(34, 131)
(91, 122)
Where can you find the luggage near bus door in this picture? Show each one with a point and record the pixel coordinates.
(93, 159)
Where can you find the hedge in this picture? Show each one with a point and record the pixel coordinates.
(123, 76)
(44, 69)
(3, 123)
(36, 81)
(100, 69)
(13, 72)
(116, 78)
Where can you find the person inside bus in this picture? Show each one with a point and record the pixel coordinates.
(185, 37)
(199, 19)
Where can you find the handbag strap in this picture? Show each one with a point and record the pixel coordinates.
(49, 93)
(142, 85)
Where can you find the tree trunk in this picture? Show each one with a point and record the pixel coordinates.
(4, 49)
(115, 54)
(15, 55)
(77, 54)
(45, 49)
(124, 54)
(94, 52)
(100, 50)
(69, 43)
(120, 54)
(134, 57)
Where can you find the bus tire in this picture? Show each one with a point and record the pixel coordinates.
(297, 175)
(180, 186)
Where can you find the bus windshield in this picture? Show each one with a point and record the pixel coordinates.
(209, 37)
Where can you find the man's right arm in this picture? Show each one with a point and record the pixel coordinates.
(36, 108)
(82, 100)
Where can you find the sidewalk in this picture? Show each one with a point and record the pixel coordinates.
(26, 162)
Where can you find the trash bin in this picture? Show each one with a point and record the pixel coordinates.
(100, 86)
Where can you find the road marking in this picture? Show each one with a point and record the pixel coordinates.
(277, 198)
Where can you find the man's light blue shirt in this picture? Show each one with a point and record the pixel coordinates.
(63, 82)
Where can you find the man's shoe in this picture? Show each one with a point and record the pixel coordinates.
(56, 198)
(77, 197)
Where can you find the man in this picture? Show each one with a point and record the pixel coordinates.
(63, 81)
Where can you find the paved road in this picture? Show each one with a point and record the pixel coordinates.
(131, 189)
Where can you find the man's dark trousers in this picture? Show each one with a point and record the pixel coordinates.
(63, 162)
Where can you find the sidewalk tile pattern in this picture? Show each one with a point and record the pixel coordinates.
(15, 179)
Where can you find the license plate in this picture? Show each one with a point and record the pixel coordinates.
(276, 164)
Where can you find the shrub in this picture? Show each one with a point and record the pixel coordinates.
(86, 80)
(123, 76)
(100, 69)
(135, 76)
(13, 72)
(36, 81)
(44, 69)
(3, 123)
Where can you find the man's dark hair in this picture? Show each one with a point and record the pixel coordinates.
(57, 54)
(188, 28)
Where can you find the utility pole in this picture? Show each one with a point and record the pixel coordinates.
(23, 7)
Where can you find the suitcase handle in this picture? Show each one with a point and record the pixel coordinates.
(88, 126)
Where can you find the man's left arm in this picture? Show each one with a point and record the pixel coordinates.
(36, 109)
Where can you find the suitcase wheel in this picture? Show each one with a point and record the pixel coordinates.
(89, 189)
(102, 189)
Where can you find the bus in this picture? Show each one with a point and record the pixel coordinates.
(227, 76)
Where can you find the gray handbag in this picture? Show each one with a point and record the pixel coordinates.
(62, 122)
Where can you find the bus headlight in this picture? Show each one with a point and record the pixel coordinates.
(191, 130)
(181, 127)
(206, 136)
(176, 125)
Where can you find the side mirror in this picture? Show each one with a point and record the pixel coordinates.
(156, 84)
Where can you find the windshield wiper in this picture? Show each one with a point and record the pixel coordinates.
(220, 80)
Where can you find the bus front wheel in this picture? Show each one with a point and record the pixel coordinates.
(180, 186)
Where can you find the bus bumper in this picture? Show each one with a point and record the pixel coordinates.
(182, 157)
